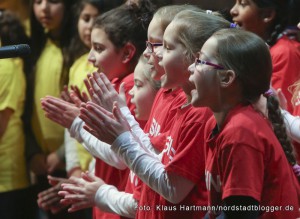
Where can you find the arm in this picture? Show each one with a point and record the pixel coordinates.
(96, 147)
(72, 159)
(109, 199)
(292, 125)
(150, 170)
(145, 165)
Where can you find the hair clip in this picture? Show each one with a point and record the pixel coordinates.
(209, 11)
(269, 93)
(296, 169)
(233, 25)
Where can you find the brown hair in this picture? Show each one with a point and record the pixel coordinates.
(249, 57)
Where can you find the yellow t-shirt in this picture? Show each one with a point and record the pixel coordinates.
(78, 72)
(49, 135)
(12, 95)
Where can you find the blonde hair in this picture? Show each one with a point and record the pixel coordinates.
(146, 72)
(193, 28)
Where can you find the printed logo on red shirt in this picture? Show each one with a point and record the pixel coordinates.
(154, 129)
(133, 178)
(297, 101)
(169, 150)
(211, 182)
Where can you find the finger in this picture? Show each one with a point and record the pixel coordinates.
(99, 82)
(75, 98)
(79, 206)
(107, 83)
(72, 190)
(88, 86)
(96, 90)
(85, 96)
(122, 91)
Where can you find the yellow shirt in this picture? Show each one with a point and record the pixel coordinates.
(78, 72)
(49, 135)
(12, 95)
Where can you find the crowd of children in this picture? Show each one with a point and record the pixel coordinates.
(132, 109)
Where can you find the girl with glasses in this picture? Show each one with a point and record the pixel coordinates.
(248, 159)
(175, 177)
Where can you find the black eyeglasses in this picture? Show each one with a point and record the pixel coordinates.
(150, 46)
(201, 62)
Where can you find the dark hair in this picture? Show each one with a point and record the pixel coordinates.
(287, 14)
(249, 57)
(127, 23)
(77, 47)
(12, 32)
(39, 37)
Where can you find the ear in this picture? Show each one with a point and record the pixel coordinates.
(227, 77)
(268, 15)
(128, 52)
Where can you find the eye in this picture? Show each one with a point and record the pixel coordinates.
(37, 1)
(98, 48)
(86, 18)
(138, 84)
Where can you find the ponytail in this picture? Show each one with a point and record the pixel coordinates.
(274, 115)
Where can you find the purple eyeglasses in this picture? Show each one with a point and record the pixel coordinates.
(201, 62)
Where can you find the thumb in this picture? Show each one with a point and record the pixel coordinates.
(122, 91)
(87, 176)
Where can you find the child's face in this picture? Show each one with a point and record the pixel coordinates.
(85, 23)
(104, 55)
(204, 76)
(249, 17)
(142, 93)
(174, 60)
(155, 35)
(49, 13)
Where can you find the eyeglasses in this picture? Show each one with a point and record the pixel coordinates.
(201, 62)
(150, 46)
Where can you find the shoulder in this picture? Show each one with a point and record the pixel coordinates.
(285, 48)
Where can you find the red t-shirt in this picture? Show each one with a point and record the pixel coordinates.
(183, 154)
(162, 114)
(286, 61)
(109, 174)
(245, 159)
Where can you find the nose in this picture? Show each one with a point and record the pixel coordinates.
(191, 68)
(146, 53)
(44, 5)
(234, 11)
(91, 57)
(158, 52)
(131, 92)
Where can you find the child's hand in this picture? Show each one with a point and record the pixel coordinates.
(59, 111)
(105, 92)
(49, 199)
(80, 192)
(102, 124)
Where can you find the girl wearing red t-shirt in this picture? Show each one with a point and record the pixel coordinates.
(274, 21)
(248, 159)
(174, 181)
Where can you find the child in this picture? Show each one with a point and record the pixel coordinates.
(274, 21)
(117, 42)
(245, 163)
(170, 182)
(107, 197)
(17, 199)
(51, 33)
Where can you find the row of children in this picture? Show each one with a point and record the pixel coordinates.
(186, 149)
(168, 168)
